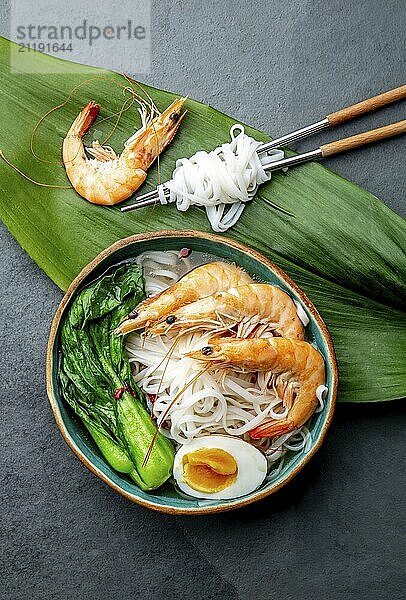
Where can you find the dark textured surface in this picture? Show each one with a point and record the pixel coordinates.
(337, 531)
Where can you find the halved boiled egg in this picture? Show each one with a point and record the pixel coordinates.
(219, 466)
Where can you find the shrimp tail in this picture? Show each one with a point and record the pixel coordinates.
(85, 119)
(272, 429)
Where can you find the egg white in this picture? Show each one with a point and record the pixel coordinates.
(252, 466)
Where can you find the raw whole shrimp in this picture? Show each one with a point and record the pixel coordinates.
(108, 178)
(198, 283)
(254, 308)
(297, 365)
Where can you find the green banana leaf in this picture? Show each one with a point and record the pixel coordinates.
(344, 247)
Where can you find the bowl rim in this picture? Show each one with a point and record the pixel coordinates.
(260, 495)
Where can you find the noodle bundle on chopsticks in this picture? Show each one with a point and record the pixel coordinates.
(222, 180)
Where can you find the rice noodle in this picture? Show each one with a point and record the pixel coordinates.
(229, 175)
(219, 401)
(162, 269)
(301, 313)
(321, 393)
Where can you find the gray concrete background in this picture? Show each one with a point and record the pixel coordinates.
(337, 531)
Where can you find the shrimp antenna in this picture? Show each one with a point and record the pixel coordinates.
(55, 108)
(137, 83)
(48, 185)
(168, 408)
(123, 109)
(167, 357)
(168, 354)
(171, 350)
(135, 97)
(173, 346)
(143, 338)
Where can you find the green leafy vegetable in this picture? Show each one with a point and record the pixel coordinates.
(96, 379)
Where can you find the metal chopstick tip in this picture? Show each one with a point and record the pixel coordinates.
(142, 204)
(148, 199)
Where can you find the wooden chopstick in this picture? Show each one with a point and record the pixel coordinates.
(338, 117)
(366, 106)
(364, 138)
(349, 143)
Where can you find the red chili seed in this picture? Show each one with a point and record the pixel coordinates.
(185, 252)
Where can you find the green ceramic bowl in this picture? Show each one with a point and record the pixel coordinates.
(166, 498)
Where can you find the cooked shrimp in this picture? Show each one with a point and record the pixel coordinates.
(108, 178)
(199, 283)
(254, 308)
(297, 366)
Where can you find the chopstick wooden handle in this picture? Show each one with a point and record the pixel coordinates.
(361, 139)
(356, 110)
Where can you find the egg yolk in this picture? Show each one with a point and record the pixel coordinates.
(209, 470)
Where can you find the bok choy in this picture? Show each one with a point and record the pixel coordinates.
(96, 379)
